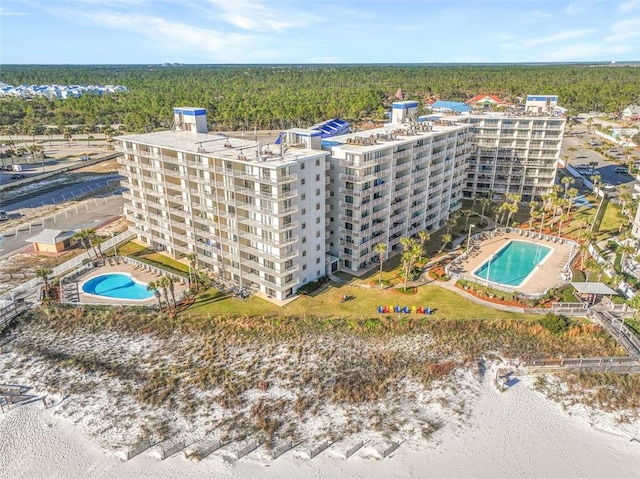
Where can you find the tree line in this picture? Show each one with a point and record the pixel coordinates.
(278, 97)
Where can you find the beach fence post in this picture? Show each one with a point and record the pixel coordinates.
(179, 446)
(318, 449)
(355, 448)
(277, 452)
(139, 448)
(391, 448)
(252, 446)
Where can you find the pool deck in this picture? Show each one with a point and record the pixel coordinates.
(545, 275)
(140, 275)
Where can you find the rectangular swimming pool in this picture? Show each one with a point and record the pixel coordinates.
(513, 263)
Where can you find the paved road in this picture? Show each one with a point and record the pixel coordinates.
(585, 155)
(90, 214)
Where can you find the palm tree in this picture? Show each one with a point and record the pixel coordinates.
(484, 202)
(566, 181)
(571, 150)
(193, 265)
(153, 286)
(582, 218)
(44, 274)
(411, 251)
(381, 250)
(87, 237)
(467, 215)
(533, 212)
(590, 125)
(66, 133)
(164, 286)
(571, 195)
(446, 239)
(171, 287)
(423, 236)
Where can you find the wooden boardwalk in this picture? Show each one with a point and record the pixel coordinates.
(621, 364)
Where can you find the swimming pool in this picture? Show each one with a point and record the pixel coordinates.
(512, 265)
(117, 286)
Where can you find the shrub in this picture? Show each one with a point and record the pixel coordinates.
(555, 323)
(311, 286)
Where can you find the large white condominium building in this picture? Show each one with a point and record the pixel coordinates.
(513, 154)
(254, 214)
(394, 181)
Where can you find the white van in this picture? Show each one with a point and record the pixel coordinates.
(16, 167)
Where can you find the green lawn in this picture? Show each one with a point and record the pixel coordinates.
(364, 303)
(146, 255)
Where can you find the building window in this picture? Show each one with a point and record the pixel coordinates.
(317, 177)
(317, 220)
(303, 211)
(317, 247)
(302, 165)
(317, 191)
(317, 234)
(318, 262)
(304, 267)
(317, 161)
(304, 254)
(303, 196)
(304, 239)
(304, 226)
(302, 181)
(317, 206)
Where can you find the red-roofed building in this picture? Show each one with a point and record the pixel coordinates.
(488, 100)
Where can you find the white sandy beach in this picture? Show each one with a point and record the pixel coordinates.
(515, 434)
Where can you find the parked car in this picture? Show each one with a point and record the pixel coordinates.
(3, 215)
(583, 167)
(19, 176)
(608, 186)
(621, 170)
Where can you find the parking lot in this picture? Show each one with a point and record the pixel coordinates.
(585, 154)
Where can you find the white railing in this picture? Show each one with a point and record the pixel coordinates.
(29, 286)
(566, 275)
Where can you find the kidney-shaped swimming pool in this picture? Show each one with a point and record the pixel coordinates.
(117, 286)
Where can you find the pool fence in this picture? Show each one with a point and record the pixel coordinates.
(565, 275)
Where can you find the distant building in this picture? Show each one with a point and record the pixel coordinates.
(493, 101)
(541, 104)
(631, 113)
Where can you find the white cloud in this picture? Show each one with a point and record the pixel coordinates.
(6, 13)
(556, 38)
(183, 38)
(624, 30)
(628, 6)
(255, 15)
(575, 8)
(583, 51)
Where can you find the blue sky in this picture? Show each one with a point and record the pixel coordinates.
(322, 31)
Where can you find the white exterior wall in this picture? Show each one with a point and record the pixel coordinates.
(242, 215)
(393, 185)
(513, 154)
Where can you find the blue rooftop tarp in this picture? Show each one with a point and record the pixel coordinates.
(332, 127)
